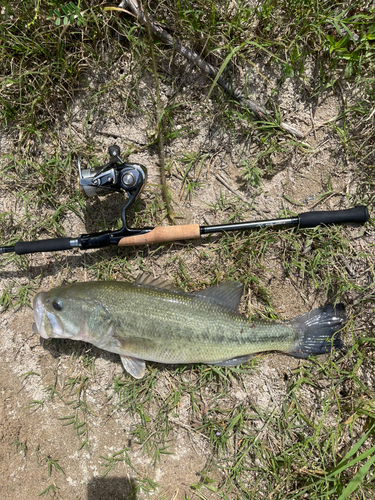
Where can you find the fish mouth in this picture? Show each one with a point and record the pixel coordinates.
(45, 320)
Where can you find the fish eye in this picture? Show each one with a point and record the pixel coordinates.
(57, 305)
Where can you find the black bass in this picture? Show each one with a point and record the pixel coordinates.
(153, 321)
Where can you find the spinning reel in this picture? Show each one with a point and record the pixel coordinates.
(115, 176)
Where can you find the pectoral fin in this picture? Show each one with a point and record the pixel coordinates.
(136, 367)
(233, 361)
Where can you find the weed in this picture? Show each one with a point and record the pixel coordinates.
(251, 173)
(79, 408)
(110, 462)
(68, 14)
(26, 375)
(194, 164)
(20, 447)
(51, 463)
(50, 489)
(35, 403)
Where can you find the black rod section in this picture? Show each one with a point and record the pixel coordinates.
(7, 249)
(305, 220)
(243, 226)
(52, 245)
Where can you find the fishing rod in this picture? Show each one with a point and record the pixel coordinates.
(118, 176)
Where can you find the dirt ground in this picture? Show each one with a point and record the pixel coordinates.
(36, 449)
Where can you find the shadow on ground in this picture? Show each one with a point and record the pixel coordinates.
(113, 488)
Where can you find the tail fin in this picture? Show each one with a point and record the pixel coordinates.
(317, 329)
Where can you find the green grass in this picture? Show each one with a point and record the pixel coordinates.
(67, 70)
(51, 463)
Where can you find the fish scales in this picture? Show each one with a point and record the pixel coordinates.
(150, 321)
(196, 329)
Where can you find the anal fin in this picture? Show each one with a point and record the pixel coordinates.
(233, 361)
(136, 367)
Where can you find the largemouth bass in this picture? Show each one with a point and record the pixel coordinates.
(150, 320)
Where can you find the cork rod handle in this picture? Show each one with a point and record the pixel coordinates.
(162, 234)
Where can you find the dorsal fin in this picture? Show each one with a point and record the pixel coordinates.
(227, 294)
(146, 279)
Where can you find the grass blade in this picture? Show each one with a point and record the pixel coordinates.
(222, 68)
(359, 477)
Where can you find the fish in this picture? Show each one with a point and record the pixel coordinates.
(151, 320)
